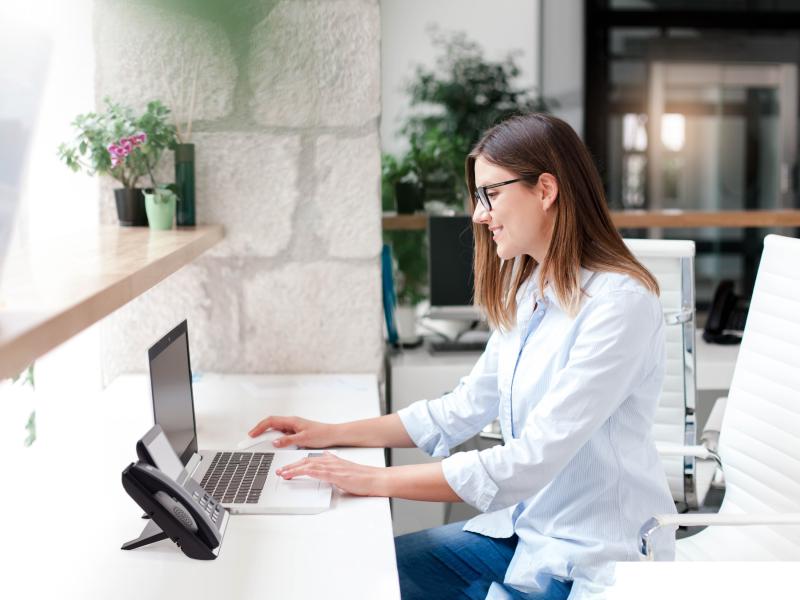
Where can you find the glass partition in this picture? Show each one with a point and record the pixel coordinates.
(686, 118)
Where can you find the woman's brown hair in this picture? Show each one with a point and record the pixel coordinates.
(583, 233)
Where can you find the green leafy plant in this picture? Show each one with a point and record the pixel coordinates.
(409, 249)
(99, 133)
(456, 101)
(27, 377)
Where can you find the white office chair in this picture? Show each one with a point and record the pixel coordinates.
(672, 264)
(759, 443)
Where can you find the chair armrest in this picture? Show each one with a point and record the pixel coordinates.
(698, 451)
(714, 422)
(678, 317)
(491, 431)
(710, 436)
(697, 520)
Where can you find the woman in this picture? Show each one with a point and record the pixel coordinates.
(573, 371)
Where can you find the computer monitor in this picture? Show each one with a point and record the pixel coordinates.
(450, 257)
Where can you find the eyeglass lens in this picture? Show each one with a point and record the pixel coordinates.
(482, 197)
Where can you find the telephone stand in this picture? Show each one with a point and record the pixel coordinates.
(150, 534)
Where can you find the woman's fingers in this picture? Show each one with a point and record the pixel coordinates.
(296, 464)
(295, 438)
(292, 469)
(348, 476)
(311, 469)
(284, 424)
(291, 466)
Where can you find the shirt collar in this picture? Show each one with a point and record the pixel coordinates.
(549, 293)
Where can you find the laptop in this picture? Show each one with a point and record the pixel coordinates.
(243, 482)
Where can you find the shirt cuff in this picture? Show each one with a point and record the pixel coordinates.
(466, 474)
(422, 429)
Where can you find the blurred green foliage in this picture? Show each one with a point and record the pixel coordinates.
(409, 250)
(456, 101)
(459, 99)
(28, 377)
(237, 18)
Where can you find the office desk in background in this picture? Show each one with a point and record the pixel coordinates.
(66, 531)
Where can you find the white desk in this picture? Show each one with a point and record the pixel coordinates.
(68, 546)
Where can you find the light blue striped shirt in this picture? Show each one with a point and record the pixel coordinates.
(578, 472)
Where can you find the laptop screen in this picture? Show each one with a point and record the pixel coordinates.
(171, 386)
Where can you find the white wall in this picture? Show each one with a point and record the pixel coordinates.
(500, 26)
(562, 58)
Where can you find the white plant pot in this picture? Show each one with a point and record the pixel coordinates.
(406, 319)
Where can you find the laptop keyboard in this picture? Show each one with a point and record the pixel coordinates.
(237, 477)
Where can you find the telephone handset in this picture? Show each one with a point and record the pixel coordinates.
(727, 316)
(179, 507)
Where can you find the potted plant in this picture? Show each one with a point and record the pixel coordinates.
(119, 127)
(457, 100)
(159, 201)
(461, 97)
(400, 186)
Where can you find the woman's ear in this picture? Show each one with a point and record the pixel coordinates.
(549, 186)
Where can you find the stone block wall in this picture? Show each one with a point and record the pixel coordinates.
(287, 159)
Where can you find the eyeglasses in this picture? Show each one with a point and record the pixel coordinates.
(482, 197)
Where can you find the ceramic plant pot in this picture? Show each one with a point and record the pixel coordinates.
(160, 206)
(408, 196)
(130, 207)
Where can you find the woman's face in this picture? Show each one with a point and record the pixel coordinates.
(522, 217)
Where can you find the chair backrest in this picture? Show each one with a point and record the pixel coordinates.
(672, 264)
(760, 437)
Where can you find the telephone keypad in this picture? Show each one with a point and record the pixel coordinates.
(206, 502)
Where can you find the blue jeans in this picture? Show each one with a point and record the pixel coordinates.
(446, 562)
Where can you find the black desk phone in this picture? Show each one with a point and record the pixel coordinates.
(179, 508)
(727, 315)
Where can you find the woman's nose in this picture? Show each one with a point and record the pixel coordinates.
(480, 214)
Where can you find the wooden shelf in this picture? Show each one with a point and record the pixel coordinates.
(695, 219)
(652, 218)
(395, 222)
(57, 287)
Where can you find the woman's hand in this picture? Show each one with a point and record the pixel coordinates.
(302, 432)
(351, 477)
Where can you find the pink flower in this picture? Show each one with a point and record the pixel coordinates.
(120, 151)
